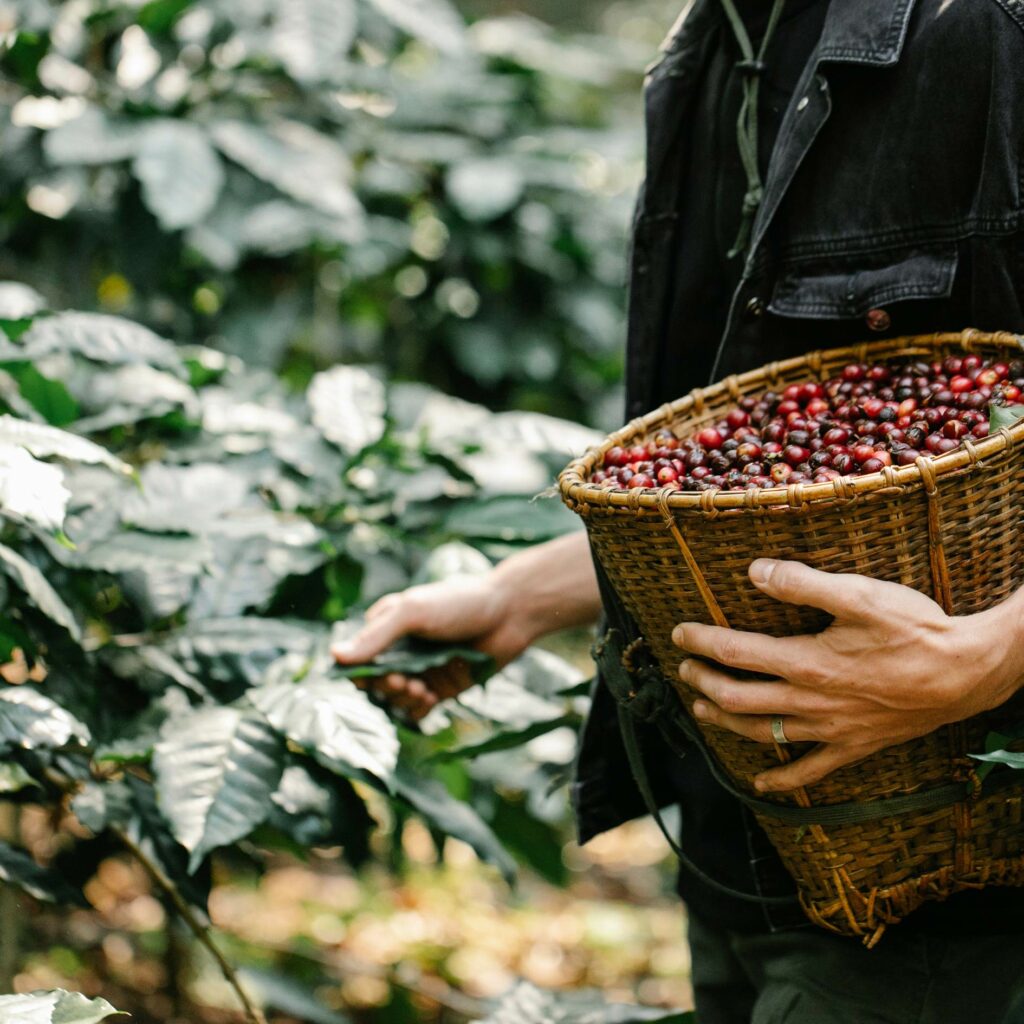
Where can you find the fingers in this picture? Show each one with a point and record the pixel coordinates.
(756, 727)
(387, 621)
(813, 767)
(748, 697)
(414, 697)
(755, 652)
(842, 595)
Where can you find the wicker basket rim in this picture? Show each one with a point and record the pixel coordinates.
(576, 490)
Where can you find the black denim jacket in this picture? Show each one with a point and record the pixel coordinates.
(893, 204)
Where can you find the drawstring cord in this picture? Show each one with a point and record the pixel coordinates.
(752, 67)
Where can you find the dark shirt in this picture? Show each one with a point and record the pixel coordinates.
(706, 277)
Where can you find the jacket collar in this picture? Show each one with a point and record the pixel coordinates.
(865, 31)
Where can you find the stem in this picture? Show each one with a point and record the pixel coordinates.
(198, 929)
(252, 1013)
(10, 907)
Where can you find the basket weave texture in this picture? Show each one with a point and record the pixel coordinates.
(951, 527)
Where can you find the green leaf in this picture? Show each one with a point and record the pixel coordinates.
(312, 37)
(14, 778)
(44, 441)
(442, 811)
(38, 590)
(505, 740)
(1000, 416)
(101, 338)
(1011, 758)
(180, 172)
(347, 405)
(512, 519)
(297, 160)
(32, 721)
(126, 750)
(54, 1007)
(414, 657)
(335, 722)
(436, 22)
(288, 996)
(18, 301)
(159, 16)
(19, 869)
(535, 843)
(31, 491)
(527, 1004)
(48, 397)
(216, 769)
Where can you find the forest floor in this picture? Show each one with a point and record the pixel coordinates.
(427, 944)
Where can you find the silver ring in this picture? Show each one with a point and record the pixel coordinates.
(778, 732)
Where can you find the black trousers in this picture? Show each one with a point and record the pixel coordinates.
(809, 976)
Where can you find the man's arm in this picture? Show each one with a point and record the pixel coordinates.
(892, 666)
(538, 591)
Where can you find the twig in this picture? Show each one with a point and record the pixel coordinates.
(253, 1014)
(187, 914)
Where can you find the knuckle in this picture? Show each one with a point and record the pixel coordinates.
(728, 699)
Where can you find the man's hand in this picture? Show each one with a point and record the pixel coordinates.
(465, 609)
(892, 666)
(536, 591)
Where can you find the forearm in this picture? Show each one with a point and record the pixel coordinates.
(551, 586)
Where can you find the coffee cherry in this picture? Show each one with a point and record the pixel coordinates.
(859, 421)
(710, 438)
(795, 454)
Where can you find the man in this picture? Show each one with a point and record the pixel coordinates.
(817, 172)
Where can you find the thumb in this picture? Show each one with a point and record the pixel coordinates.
(844, 596)
(373, 638)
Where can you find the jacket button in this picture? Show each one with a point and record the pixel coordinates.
(755, 307)
(878, 320)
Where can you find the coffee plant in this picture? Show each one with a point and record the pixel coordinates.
(181, 538)
(330, 180)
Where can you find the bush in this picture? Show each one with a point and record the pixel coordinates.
(325, 180)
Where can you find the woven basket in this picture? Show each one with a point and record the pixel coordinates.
(951, 527)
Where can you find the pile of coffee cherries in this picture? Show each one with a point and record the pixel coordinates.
(868, 417)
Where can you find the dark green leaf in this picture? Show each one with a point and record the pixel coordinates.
(505, 740)
(431, 800)
(286, 995)
(19, 869)
(535, 843)
(512, 519)
(414, 657)
(159, 16)
(48, 397)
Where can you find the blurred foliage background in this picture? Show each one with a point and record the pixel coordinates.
(440, 192)
(368, 180)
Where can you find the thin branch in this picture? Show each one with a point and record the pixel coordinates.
(253, 1014)
(187, 914)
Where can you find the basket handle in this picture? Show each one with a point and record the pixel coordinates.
(706, 594)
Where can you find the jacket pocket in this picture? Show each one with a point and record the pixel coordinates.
(841, 293)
